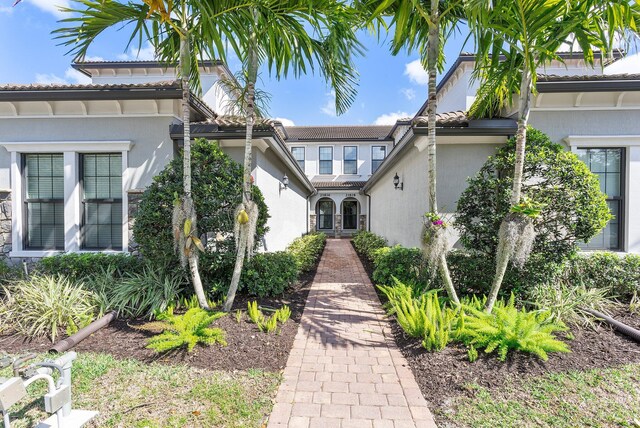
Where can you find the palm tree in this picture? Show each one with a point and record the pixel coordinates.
(514, 39)
(182, 32)
(423, 26)
(294, 36)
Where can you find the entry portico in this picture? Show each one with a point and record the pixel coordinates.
(338, 208)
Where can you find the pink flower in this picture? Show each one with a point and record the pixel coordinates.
(438, 222)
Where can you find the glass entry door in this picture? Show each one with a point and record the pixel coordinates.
(325, 215)
(350, 215)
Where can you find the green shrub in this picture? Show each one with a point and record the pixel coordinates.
(187, 330)
(574, 210)
(268, 274)
(366, 243)
(405, 264)
(44, 305)
(137, 294)
(620, 274)
(566, 301)
(307, 249)
(217, 191)
(509, 329)
(81, 265)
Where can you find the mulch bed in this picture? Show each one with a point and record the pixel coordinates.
(247, 348)
(442, 376)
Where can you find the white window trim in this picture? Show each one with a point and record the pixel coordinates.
(304, 156)
(70, 151)
(386, 152)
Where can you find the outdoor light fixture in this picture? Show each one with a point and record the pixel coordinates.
(396, 182)
(284, 184)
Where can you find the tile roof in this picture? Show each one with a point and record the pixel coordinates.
(168, 84)
(359, 132)
(338, 184)
(454, 118)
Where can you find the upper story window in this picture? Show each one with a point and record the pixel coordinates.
(350, 160)
(44, 201)
(298, 155)
(326, 160)
(102, 201)
(378, 153)
(608, 165)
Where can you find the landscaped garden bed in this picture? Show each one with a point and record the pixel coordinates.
(247, 347)
(597, 383)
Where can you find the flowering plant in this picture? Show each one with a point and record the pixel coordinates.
(435, 219)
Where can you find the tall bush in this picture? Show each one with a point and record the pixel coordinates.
(79, 265)
(217, 190)
(405, 264)
(366, 243)
(268, 274)
(307, 249)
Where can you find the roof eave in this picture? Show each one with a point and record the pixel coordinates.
(560, 86)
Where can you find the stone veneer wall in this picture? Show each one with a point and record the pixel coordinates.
(363, 222)
(312, 223)
(5, 223)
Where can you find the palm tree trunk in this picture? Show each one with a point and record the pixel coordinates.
(252, 77)
(432, 65)
(503, 254)
(186, 177)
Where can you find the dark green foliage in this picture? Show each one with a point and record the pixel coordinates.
(217, 190)
(405, 264)
(268, 274)
(366, 243)
(508, 328)
(187, 330)
(618, 273)
(575, 209)
(80, 265)
(307, 249)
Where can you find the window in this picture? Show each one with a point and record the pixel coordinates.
(350, 160)
(608, 165)
(44, 201)
(378, 154)
(298, 155)
(326, 160)
(102, 201)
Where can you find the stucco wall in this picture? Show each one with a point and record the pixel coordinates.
(397, 215)
(287, 207)
(152, 148)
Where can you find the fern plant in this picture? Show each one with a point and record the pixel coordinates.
(255, 314)
(439, 319)
(188, 330)
(268, 325)
(510, 329)
(283, 314)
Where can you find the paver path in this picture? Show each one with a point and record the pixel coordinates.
(345, 369)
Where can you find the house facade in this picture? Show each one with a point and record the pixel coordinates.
(75, 159)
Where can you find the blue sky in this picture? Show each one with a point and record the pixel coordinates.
(390, 87)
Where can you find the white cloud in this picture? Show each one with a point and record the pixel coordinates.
(390, 118)
(51, 6)
(71, 76)
(329, 108)
(146, 53)
(416, 73)
(285, 121)
(6, 9)
(630, 65)
(408, 93)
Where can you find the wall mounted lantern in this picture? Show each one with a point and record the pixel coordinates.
(284, 184)
(396, 182)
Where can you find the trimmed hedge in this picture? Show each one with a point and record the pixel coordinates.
(619, 273)
(366, 243)
(405, 264)
(268, 274)
(307, 249)
(81, 265)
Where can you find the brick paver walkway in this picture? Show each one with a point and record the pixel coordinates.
(345, 369)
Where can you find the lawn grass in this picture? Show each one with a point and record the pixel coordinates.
(594, 398)
(128, 393)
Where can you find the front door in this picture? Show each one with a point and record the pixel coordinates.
(350, 215)
(325, 215)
